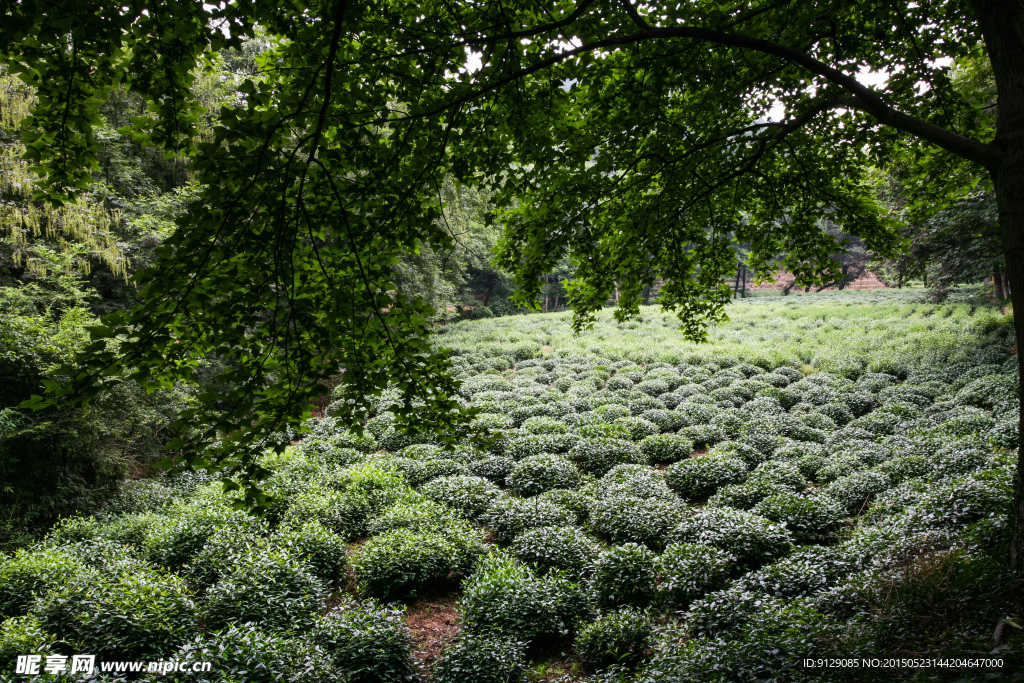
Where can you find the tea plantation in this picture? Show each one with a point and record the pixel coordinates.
(828, 477)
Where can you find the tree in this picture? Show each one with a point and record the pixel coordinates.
(632, 137)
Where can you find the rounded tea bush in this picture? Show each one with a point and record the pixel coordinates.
(265, 586)
(403, 563)
(29, 573)
(721, 612)
(701, 476)
(686, 571)
(412, 514)
(638, 428)
(810, 520)
(744, 496)
(250, 653)
(665, 448)
(555, 547)
(493, 468)
(480, 658)
(626, 518)
(622, 636)
(506, 596)
(784, 474)
(367, 642)
(625, 574)
(469, 496)
(137, 614)
(751, 539)
(540, 473)
(322, 550)
(597, 456)
(510, 517)
(854, 492)
(576, 502)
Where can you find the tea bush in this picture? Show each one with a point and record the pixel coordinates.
(29, 573)
(701, 476)
(367, 642)
(510, 517)
(552, 547)
(139, 614)
(507, 596)
(597, 456)
(622, 636)
(539, 473)
(625, 574)
(751, 539)
(469, 496)
(686, 571)
(665, 448)
(251, 653)
(265, 586)
(404, 562)
(480, 658)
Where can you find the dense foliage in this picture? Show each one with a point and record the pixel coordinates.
(882, 532)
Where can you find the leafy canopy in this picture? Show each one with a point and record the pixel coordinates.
(637, 140)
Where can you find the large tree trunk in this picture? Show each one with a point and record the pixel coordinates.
(1002, 25)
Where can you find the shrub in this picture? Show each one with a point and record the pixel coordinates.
(783, 474)
(622, 636)
(808, 571)
(611, 412)
(223, 551)
(510, 517)
(665, 448)
(839, 413)
(403, 563)
(247, 652)
(854, 492)
(322, 550)
(29, 573)
(773, 646)
(555, 547)
(519, 447)
(597, 456)
(701, 476)
(810, 520)
(744, 496)
(543, 424)
(666, 420)
(412, 514)
(265, 586)
(686, 571)
(367, 642)
(625, 518)
(637, 481)
(751, 539)
(467, 495)
(577, 503)
(133, 614)
(181, 535)
(638, 427)
(20, 636)
(718, 613)
(603, 430)
(625, 574)
(540, 473)
(480, 658)
(618, 383)
(493, 468)
(507, 596)
(702, 436)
